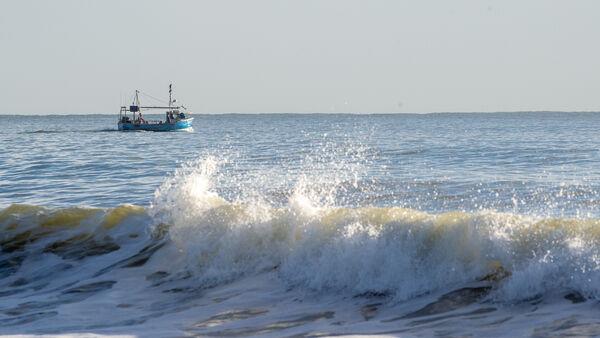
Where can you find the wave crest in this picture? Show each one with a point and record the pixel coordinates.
(372, 249)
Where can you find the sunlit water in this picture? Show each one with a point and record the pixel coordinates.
(542, 163)
(316, 224)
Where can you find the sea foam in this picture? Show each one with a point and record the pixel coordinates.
(321, 246)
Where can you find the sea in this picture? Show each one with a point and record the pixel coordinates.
(293, 225)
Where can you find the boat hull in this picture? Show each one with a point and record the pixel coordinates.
(179, 125)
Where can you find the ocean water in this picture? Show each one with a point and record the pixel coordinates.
(302, 225)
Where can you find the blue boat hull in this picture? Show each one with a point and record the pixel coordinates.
(179, 125)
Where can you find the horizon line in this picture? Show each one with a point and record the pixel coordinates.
(324, 113)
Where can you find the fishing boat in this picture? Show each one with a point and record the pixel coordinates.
(176, 116)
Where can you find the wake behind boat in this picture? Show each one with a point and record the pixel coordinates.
(176, 117)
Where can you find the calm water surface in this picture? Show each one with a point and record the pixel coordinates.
(544, 163)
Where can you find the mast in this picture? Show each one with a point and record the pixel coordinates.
(136, 103)
(170, 91)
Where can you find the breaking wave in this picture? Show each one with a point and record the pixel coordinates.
(313, 243)
(197, 235)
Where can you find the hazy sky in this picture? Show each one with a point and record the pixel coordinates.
(301, 56)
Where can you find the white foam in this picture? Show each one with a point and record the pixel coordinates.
(321, 246)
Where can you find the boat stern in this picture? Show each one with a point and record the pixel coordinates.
(184, 124)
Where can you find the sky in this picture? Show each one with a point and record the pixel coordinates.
(245, 56)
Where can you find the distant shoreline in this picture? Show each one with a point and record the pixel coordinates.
(327, 113)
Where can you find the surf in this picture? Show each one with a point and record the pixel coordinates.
(195, 247)
(397, 250)
(319, 246)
